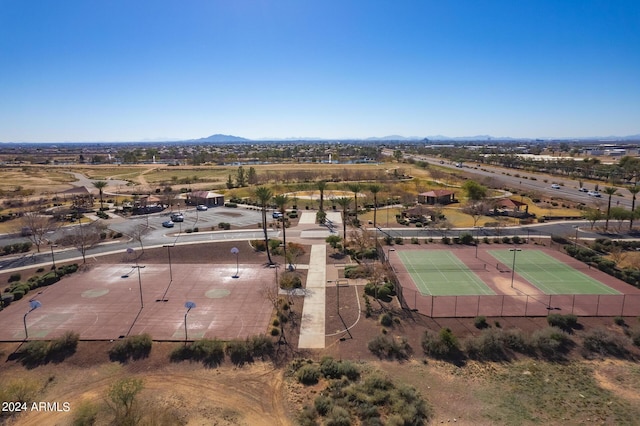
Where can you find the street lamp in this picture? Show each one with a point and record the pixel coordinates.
(34, 304)
(138, 267)
(53, 259)
(169, 254)
(513, 267)
(189, 306)
(575, 241)
(235, 251)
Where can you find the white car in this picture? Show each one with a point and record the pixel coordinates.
(202, 207)
(583, 189)
(555, 186)
(594, 194)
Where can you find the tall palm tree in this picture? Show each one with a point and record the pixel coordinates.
(374, 189)
(355, 188)
(321, 185)
(264, 194)
(344, 202)
(281, 201)
(610, 191)
(633, 190)
(100, 184)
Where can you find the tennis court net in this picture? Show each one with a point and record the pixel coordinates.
(447, 268)
(501, 267)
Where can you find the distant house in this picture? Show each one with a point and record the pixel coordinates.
(509, 207)
(208, 198)
(437, 196)
(81, 198)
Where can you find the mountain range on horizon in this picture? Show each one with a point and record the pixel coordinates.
(220, 138)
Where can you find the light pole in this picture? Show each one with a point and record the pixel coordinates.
(513, 267)
(189, 306)
(34, 304)
(53, 259)
(235, 251)
(575, 241)
(169, 247)
(138, 267)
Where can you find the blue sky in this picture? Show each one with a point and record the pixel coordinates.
(123, 70)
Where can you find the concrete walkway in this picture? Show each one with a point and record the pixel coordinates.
(312, 324)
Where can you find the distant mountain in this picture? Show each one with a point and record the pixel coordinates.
(394, 138)
(221, 138)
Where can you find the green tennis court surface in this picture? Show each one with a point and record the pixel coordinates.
(441, 273)
(548, 274)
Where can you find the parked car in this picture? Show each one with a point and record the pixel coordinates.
(555, 186)
(202, 207)
(594, 194)
(177, 217)
(168, 224)
(276, 215)
(583, 189)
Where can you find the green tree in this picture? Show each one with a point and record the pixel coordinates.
(610, 191)
(344, 202)
(123, 397)
(634, 191)
(355, 188)
(100, 184)
(592, 216)
(322, 186)
(264, 195)
(240, 177)
(229, 182)
(474, 190)
(375, 189)
(252, 176)
(281, 201)
(397, 154)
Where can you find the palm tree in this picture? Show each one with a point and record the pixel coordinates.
(344, 202)
(374, 189)
(633, 190)
(264, 194)
(321, 185)
(610, 191)
(281, 201)
(355, 188)
(100, 184)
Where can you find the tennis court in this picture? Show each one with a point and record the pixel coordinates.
(548, 274)
(440, 272)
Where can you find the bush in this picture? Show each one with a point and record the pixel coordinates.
(603, 342)
(441, 345)
(134, 347)
(619, 321)
(238, 351)
(260, 346)
(389, 348)
(480, 322)
(290, 280)
(224, 225)
(563, 322)
(308, 374)
(466, 238)
(489, 345)
(551, 342)
(63, 347)
(14, 277)
(385, 319)
(209, 351)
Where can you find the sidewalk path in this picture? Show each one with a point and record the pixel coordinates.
(312, 325)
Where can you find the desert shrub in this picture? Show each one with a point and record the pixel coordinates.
(489, 345)
(389, 348)
(398, 240)
(6, 299)
(339, 416)
(14, 277)
(603, 342)
(563, 322)
(308, 374)
(506, 240)
(63, 347)
(480, 322)
(551, 342)
(634, 335)
(274, 331)
(208, 351)
(385, 319)
(444, 344)
(332, 369)
(289, 280)
(84, 414)
(258, 245)
(466, 238)
(238, 351)
(619, 321)
(133, 347)
(307, 416)
(260, 346)
(516, 239)
(414, 240)
(34, 353)
(355, 271)
(446, 240)
(323, 405)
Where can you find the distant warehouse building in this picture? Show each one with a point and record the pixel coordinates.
(208, 198)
